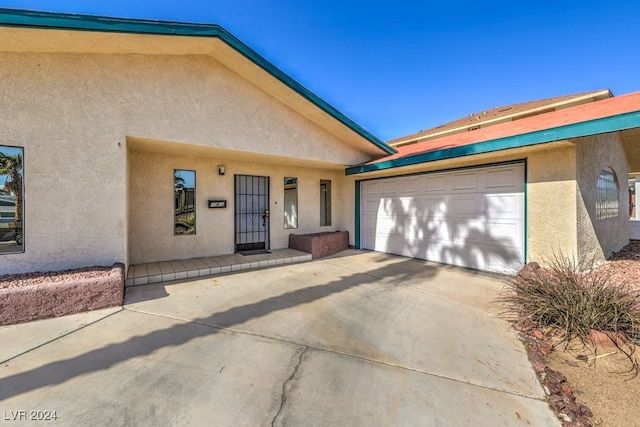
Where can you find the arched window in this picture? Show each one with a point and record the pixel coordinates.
(607, 197)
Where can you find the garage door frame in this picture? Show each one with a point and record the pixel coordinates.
(358, 195)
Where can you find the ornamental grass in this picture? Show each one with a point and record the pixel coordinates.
(573, 300)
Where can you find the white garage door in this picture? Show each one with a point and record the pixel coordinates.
(471, 218)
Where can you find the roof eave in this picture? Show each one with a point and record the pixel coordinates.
(576, 130)
(419, 137)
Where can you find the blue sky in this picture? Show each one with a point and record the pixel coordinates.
(188, 176)
(399, 67)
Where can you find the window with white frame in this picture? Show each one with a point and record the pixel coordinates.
(607, 195)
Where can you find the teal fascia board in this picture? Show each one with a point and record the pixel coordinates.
(63, 21)
(576, 130)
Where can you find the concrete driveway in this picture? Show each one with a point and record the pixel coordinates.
(359, 339)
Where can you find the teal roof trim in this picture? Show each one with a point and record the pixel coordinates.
(575, 130)
(64, 21)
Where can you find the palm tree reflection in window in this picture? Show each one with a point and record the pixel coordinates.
(11, 199)
(184, 189)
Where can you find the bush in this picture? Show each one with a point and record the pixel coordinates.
(575, 299)
(186, 224)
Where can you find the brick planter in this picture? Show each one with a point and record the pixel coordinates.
(320, 244)
(53, 299)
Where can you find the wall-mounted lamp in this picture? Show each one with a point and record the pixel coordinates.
(220, 169)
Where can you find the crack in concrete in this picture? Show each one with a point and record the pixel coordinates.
(283, 400)
(345, 354)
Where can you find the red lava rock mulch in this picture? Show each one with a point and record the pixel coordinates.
(34, 296)
(560, 396)
(28, 279)
(625, 264)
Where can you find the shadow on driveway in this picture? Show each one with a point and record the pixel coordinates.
(104, 358)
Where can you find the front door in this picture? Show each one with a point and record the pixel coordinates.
(251, 213)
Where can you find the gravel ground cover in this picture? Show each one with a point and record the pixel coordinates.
(28, 279)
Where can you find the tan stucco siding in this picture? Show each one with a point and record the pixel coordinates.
(348, 205)
(73, 114)
(73, 213)
(151, 210)
(74, 165)
(551, 204)
(599, 238)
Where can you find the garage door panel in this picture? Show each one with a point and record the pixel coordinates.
(370, 188)
(480, 256)
(410, 185)
(384, 225)
(407, 204)
(434, 183)
(472, 218)
(432, 205)
(464, 181)
(504, 205)
(503, 178)
(390, 187)
(506, 233)
(369, 222)
(503, 233)
(371, 206)
(500, 258)
(464, 205)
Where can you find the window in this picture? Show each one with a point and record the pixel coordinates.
(11, 199)
(184, 190)
(290, 202)
(607, 199)
(325, 202)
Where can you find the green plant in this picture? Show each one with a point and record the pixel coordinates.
(188, 221)
(575, 299)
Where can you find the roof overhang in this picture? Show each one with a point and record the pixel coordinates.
(631, 144)
(615, 123)
(545, 107)
(45, 32)
(177, 148)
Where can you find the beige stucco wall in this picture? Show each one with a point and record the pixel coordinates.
(74, 164)
(151, 211)
(73, 115)
(551, 204)
(599, 238)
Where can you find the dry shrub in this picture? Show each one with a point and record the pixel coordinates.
(575, 299)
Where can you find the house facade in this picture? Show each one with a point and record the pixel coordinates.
(109, 112)
(148, 141)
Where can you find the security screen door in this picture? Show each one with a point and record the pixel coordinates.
(251, 213)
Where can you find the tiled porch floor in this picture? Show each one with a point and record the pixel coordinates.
(157, 272)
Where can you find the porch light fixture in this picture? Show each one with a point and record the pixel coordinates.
(220, 169)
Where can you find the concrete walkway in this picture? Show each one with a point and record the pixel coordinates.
(167, 271)
(359, 339)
